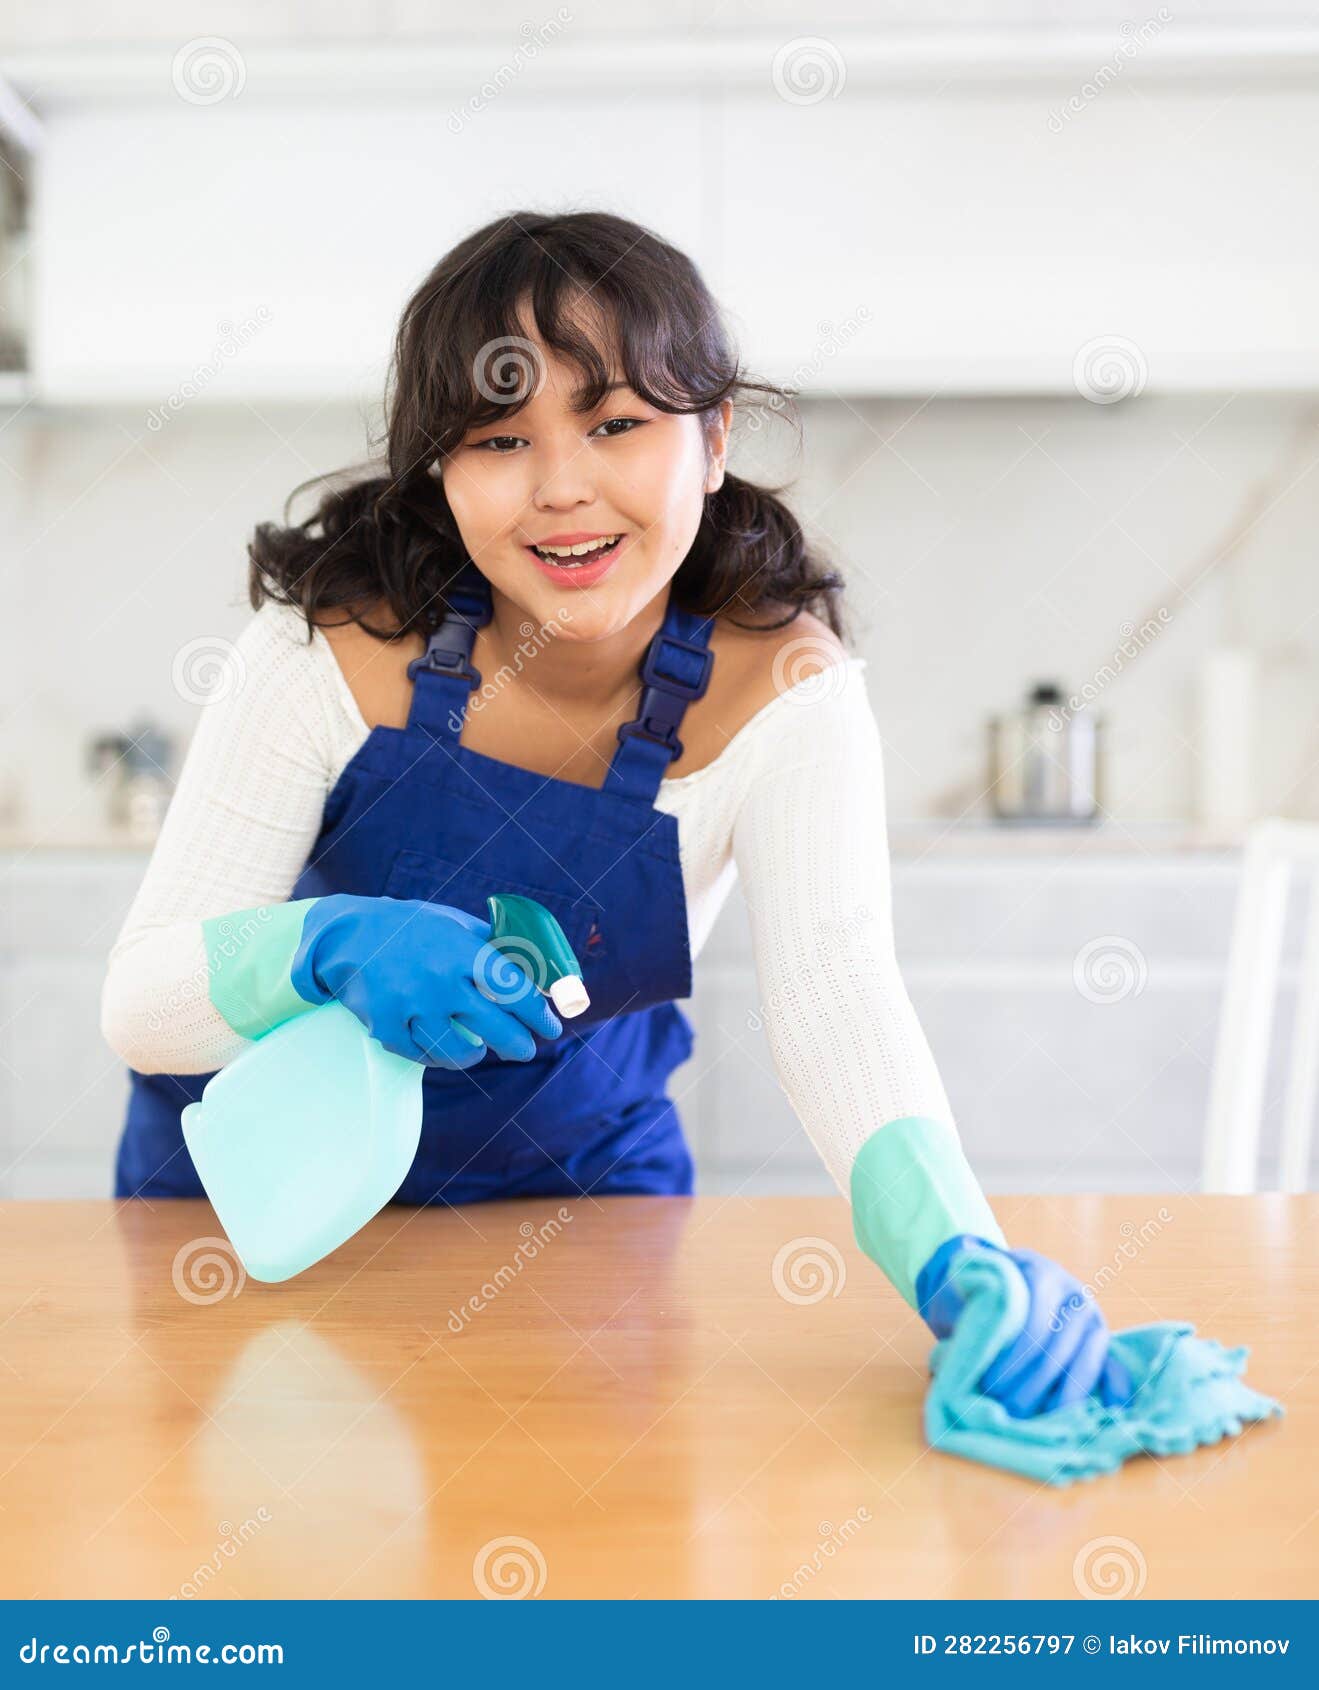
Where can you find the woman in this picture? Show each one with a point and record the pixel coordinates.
(557, 649)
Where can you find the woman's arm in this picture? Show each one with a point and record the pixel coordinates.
(240, 825)
(810, 844)
(811, 848)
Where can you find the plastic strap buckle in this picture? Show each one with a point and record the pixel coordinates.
(667, 696)
(449, 660)
(449, 649)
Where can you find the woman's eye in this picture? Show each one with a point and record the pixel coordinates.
(626, 424)
(502, 444)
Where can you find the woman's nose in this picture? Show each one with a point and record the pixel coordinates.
(563, 478)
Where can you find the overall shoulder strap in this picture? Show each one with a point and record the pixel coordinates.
(443, 677)
(676, 670)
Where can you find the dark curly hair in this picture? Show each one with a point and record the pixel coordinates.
(391, 538)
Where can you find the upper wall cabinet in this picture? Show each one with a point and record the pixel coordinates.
(877, 213)
(252, 250)
(906, 240)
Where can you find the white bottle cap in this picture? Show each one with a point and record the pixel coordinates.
(568, 994)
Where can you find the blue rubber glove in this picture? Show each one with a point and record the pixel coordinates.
(1061, 1354)
(407, 968)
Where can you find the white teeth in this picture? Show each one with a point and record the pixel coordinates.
(560, 554)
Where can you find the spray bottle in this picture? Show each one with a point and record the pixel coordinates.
(301, 1140)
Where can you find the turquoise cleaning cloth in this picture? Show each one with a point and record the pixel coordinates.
(1188, 1392)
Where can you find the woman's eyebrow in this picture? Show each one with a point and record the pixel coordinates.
(581, 392)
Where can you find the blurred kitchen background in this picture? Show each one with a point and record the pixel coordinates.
(1047, 279)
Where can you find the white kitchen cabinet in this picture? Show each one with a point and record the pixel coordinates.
(882, 212)
(253, 250)
(1071, 1000)
(62, 1091)
(958, 243)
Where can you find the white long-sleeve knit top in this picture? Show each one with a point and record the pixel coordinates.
(793, 807)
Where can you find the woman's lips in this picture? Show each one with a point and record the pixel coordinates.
(585, 574)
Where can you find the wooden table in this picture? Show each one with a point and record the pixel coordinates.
(639, 1399)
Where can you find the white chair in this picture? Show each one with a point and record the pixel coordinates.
(1274, 851)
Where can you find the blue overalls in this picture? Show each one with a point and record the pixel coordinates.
(417, 814)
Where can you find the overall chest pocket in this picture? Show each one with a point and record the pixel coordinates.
(417, 874)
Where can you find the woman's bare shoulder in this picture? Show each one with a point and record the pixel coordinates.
(763, 662)
(752, 667)
(376, 670)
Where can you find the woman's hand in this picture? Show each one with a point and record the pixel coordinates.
(409, 969)
(1062, 1352)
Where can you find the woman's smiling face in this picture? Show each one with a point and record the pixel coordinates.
(549, 475)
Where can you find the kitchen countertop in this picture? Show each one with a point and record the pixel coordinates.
(618, 1387)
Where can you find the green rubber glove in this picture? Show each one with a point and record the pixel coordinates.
(912, 1190)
